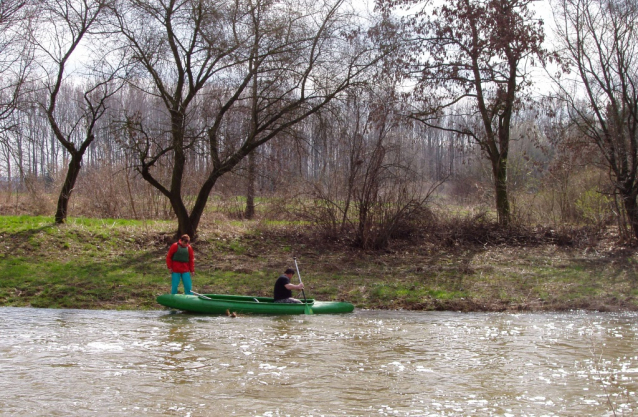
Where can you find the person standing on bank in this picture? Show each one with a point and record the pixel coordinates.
(283, 288)
(181, 262)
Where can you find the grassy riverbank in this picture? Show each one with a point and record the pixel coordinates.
(118, 264)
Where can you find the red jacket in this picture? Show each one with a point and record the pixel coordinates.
(180, 267)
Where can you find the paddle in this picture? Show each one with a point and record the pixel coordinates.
(201, 295)
(307, 309)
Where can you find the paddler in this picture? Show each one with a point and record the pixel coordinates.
(283, 288)
(181, 262)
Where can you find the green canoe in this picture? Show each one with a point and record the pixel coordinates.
(240, 304)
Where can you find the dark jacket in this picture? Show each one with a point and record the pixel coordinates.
(281, 292)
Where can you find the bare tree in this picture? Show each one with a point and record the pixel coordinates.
(472, 52)
(260, 66)
(366, 186)
(15, 55)
(71, 29)
(599, 41)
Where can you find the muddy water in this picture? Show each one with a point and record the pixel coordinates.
(79, 363)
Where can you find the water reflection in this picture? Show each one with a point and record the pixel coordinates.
(72, 362)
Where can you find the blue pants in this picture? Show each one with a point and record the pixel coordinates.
(186, 279)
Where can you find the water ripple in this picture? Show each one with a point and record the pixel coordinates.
(74, 362)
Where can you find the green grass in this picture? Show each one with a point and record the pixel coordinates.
(120, 264)
(237, 247)
(16, 224)
(412, 294)
(88, 281)
(84, 263)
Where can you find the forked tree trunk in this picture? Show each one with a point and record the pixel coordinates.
(67, 187)
(185, 225)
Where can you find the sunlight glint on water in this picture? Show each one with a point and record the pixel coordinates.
(72, 362)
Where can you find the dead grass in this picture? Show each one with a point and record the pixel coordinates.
(463, 266)
(537, 276)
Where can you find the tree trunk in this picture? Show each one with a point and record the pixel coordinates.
(10, 180)
(499, 169)
(250, 190)
(631, 208)
(184, 224)
(67, 188)
(190, 224)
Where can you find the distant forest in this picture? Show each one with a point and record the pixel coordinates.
(360, 120)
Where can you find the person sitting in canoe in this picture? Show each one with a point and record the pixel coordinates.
(283, 288)
(181, 262)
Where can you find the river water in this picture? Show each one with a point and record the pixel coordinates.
(368, 363)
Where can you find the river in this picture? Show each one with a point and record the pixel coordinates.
(368, 363)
